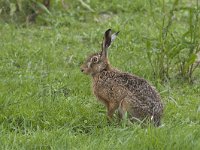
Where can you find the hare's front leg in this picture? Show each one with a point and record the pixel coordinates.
(111, 107)
(122, 109)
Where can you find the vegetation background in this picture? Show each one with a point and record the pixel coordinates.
(45, 101)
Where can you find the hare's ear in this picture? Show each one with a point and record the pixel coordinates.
(108, 39)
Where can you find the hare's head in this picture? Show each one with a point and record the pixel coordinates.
(99, 61)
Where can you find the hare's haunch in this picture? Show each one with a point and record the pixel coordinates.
(122, 91)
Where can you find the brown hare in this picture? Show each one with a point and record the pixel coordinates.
(122, 91)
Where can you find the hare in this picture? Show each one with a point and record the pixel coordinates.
(122, 91)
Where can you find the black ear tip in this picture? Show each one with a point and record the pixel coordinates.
(108, 31)
(117, 33)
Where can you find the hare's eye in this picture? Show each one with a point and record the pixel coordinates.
(94, 59)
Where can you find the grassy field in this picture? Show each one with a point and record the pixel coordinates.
(47, 103)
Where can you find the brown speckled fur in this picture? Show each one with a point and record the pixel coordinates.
(122, 91)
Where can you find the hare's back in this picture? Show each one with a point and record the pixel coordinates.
(136, 85)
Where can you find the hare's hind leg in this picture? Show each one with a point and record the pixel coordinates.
(156, 120)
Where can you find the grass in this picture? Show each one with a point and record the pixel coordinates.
(47, 103)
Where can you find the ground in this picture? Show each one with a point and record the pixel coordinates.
(47, 103)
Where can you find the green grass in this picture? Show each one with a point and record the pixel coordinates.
(47, 103)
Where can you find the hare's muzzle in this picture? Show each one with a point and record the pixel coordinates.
(82, 69)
